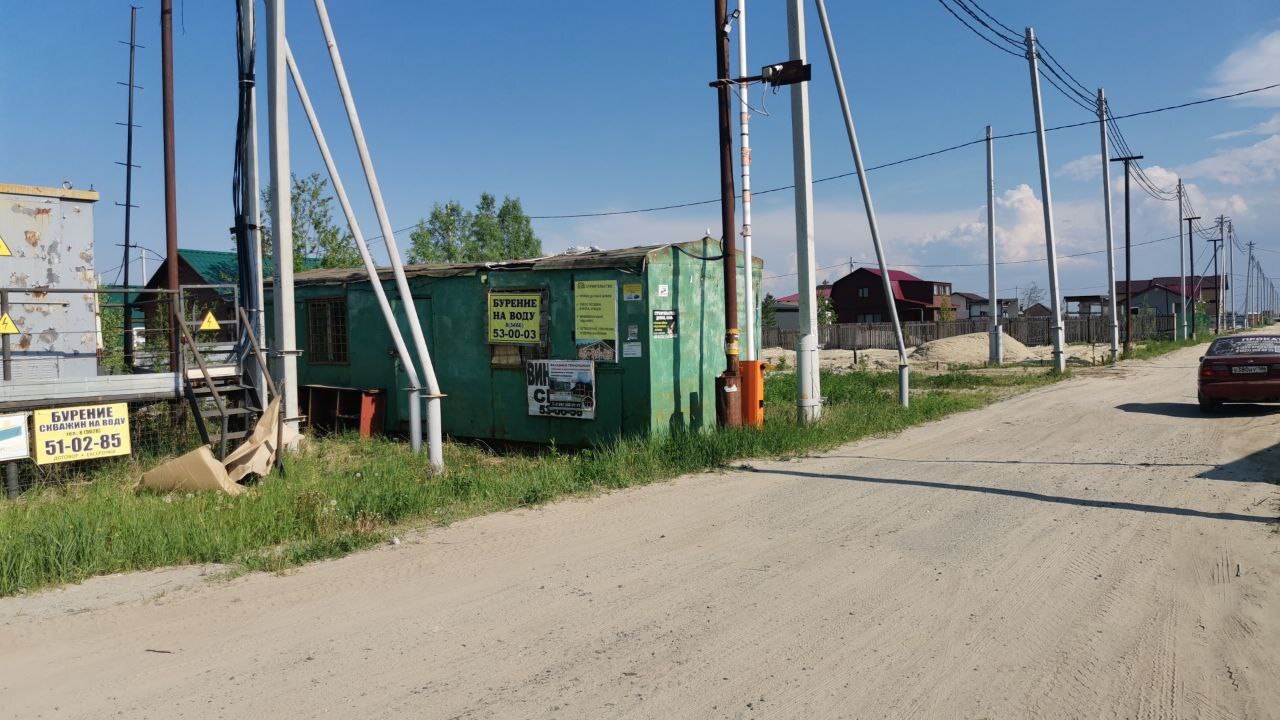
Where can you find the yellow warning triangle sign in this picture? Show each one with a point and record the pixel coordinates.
(4, 249)
(6, 325)
(209, 322)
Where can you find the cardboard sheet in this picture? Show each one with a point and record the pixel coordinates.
(197, 470)
(200, 470)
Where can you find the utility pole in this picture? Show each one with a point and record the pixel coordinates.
(1106, 212)
(995, 352)
(728, 406)
(1191, 262)
(1230, 274)
(1217, 275)
(170, 177)
(809, 390)
(128, 193)
(744, 121)
(249, 197)
(1051, 246)
(1128, 257)
(1182, 271)
(904, 369)
(1248, 287)
(286, 354)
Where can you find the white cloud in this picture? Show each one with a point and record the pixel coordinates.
(1083, 168)
(1240, 166)
(1254, 65)
(1266, 127)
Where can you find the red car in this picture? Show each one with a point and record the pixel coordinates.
(1243, 368)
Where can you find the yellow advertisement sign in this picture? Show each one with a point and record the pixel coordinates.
(515, 317)
(82, 432)
(595, 319)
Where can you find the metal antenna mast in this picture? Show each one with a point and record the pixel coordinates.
(128, 189)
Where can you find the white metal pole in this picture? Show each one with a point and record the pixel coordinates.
(286, 365)
(744, 119)
(1106, 213)
(435, 445)
(340, 190)
(1182, 269)
(904, 369)
(249, 205)
(809, 388)
(996, 341)
(1051, 246)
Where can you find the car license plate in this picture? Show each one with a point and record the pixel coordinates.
(1249, 370)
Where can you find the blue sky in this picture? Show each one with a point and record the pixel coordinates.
(588, 106)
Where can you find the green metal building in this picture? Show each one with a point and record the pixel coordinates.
(642, 330)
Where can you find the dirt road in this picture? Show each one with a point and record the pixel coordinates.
(1092, 549)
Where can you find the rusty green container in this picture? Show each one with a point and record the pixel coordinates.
(669, 344)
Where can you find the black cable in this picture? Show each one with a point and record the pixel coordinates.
(921, 156)
(977, 32)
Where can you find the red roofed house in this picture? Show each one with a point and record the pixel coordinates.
(859, 297)
(786, 311)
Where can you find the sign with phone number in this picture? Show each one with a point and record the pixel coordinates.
(82, 432)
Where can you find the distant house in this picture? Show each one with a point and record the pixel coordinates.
(962, 301)
(859, 297)
(980, 309)
(1085, 305)
(198, 270)
(1165, 295)
(1037, 310)
(786, 311)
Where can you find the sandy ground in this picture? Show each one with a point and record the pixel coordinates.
(1091, 549)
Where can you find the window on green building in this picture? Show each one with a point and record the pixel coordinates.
(327, 330)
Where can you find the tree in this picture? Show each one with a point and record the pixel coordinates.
(769, 311)
(947, 311)
(1031, 295)
(826, 311)
(317, 240)
(490, 232)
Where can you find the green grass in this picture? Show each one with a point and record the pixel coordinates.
(342, 493)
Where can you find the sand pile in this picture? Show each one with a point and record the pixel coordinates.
(971, 349)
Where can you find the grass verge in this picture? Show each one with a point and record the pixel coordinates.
(342, 493)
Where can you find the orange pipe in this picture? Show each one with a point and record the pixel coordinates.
(752, 393)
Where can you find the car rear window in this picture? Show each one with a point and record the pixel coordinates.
(1246, 345)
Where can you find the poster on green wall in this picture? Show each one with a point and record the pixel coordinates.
(595, 320)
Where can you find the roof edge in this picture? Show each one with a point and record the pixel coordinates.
(56, 192)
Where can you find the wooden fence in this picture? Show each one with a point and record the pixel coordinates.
(1027, 330)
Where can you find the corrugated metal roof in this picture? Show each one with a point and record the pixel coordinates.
(631, 258)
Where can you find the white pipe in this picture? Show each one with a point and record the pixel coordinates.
(904, 368)
(744, 118)
(282, 217)
(435, 449)
(415, 417)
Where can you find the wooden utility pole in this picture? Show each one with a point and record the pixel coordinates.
(1191, 264)
(1128, 256)
(728, 407)
(170, 176)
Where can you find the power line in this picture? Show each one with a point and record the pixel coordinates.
(913, 158)
(967, 265)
